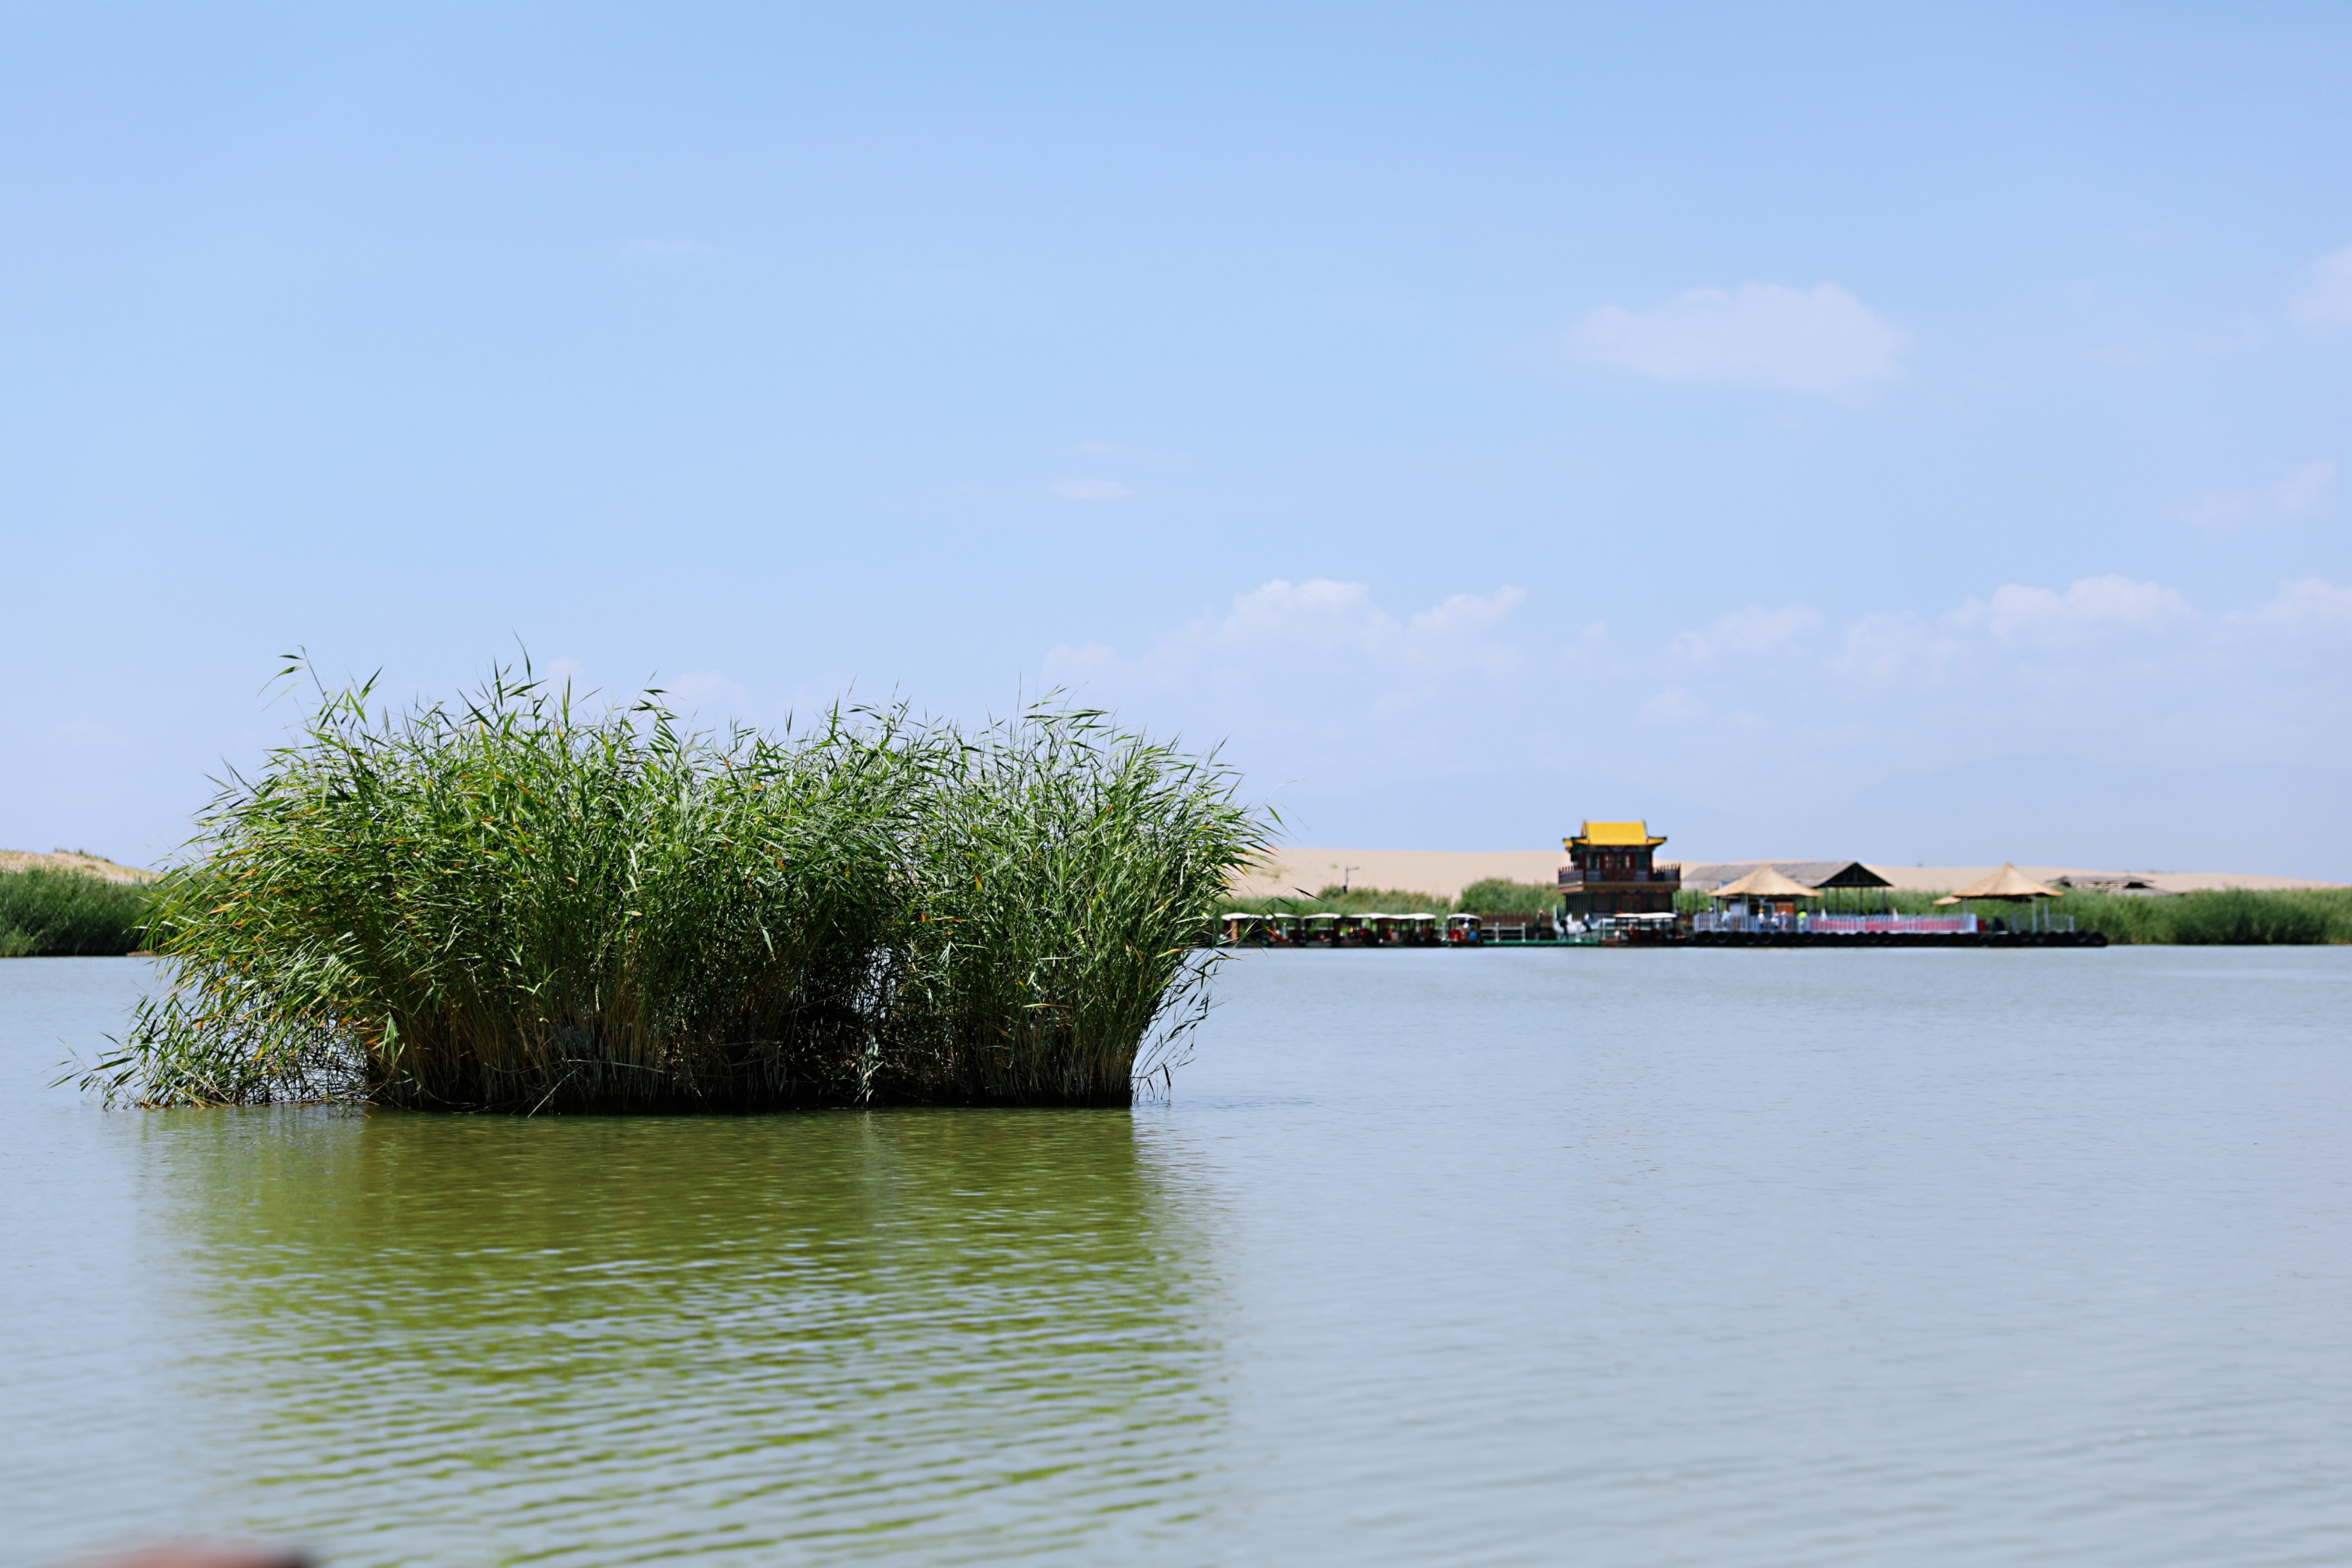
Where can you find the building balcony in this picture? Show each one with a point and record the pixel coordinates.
(1669, 876)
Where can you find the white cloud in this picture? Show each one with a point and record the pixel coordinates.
(1588, 654)
(1329, 697)
(1317, 681)
(1324, 616)
(1067, 666)
(2310, 603)
(2302, 488)
(2326, 297)
(1090, 490)
(1674, 705)
(1750, 632)
(1760, 334)
(1303, 633)
(2219, 510)
(2089, 605)
(698, 689)
(1462, 620)
(1318, 616)
(1886, 647)
(2109, 668)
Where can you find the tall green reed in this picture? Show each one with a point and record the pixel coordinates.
(2237, 916)
(49, 913)
(1335, 899)
(1064, 870)
(510, 904)
(1504, 896)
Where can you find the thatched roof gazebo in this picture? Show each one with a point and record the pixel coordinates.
(2009, 884)
(1764, 882)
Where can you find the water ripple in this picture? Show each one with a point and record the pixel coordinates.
(1773, 1259)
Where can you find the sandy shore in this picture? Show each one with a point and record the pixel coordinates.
(1444, 873)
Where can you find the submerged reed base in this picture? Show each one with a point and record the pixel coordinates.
(508, 906)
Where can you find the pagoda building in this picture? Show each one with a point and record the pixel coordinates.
(1609, 872)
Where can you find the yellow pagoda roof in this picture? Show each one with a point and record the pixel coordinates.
(1635, 833)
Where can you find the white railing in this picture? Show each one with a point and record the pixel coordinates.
(1836, 925)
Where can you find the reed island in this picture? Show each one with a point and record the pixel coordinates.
(505, 903)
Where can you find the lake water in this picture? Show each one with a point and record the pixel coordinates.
(1634, 1257)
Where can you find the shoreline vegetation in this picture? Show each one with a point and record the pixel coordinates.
(47, 912)
(2221, 917)
(2235, 916)
(507, 905)
(1492, 896)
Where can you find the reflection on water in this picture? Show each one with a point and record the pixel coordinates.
(603, 1340)
(1786, 1259)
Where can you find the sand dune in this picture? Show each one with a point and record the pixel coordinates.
(68, 860)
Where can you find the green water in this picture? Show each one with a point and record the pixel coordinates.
(1515, 1258)
(617, 1328)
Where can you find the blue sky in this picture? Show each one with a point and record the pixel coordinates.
(1875, 432)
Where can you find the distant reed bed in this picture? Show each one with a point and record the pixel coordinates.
(2237, 915)
(508, 903)
(1335, 900)
(1491, 896)
(2232, 916)
(47, 913)
(1499, 895)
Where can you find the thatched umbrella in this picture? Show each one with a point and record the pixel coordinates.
(2008, 885)
(1764, 882)
(1763, 885)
